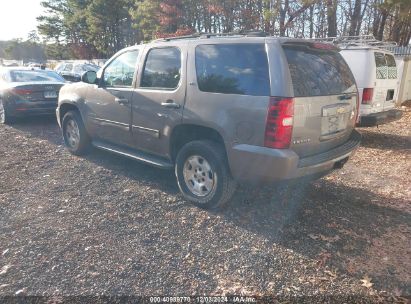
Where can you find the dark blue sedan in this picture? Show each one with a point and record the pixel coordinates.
(25, 92)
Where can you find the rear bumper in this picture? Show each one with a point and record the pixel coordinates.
(20, 109)
(259, 164)
(380, 118)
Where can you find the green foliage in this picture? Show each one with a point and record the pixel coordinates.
(99, 28)
(22, 50)
(146, 18)
(109, 25)
(89, 28)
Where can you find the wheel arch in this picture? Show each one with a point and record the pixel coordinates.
(185, 133)
(66, 106)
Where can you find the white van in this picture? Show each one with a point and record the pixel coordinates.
(376, 76)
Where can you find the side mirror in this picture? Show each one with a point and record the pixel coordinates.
(89, 77)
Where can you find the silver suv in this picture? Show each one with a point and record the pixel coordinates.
(218, 109)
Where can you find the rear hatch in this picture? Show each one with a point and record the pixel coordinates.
(325, 97)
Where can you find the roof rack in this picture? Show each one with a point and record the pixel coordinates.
(216, 35)
(357, 41)
(400, 51)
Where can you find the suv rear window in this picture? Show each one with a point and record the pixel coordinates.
(318, 72)
(233, 69)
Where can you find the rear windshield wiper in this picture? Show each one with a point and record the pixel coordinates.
(346, 96)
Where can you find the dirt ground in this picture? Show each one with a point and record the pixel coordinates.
(103, 224)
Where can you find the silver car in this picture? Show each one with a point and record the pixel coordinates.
(218, 110)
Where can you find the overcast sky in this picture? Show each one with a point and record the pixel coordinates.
(18, 18)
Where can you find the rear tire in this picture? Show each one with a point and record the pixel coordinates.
(5, 117)
(203, 175)
(75, 134)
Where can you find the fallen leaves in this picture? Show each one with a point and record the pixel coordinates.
(235, 247)
(324, 238)
(332, 274)
(323, 258)
(4, 269)
(366, 282)
(20, 291)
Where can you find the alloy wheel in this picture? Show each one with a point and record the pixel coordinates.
(199, 176)
(72, 133)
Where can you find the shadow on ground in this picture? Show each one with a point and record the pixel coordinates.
(334, 224)
(42, 127)
(331, 223)
(384, 141)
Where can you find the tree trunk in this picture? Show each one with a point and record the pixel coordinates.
(355, 17)
(332, 18)
(283, 12)
(381, 26)
(311, 21)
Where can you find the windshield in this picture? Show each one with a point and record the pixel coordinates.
(318, 72)
(35, 76)
(85, 67)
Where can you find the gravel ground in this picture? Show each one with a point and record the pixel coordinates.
(107, 225)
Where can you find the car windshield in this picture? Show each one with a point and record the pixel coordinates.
(35, 76)
(85, 67)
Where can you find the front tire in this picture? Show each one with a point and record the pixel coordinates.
(203, 175)
(5, 117)
(74, 133)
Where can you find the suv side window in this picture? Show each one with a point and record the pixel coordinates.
(233, 69)
(381, 65)
(120, 72)
(162, 69)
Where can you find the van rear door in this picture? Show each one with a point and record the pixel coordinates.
(386, 81)
(325, 97)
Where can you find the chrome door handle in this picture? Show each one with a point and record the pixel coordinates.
(170, 104)
(122, 101)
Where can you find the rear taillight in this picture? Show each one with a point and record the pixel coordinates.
(279, 123)
(367, 95)
(21, 92)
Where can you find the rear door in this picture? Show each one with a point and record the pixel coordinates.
(381, 83)
(386, 81)
(158, 100)
(325, 97)
(392, 82)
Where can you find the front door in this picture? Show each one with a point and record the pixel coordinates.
(109, 103)
(158, 100)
